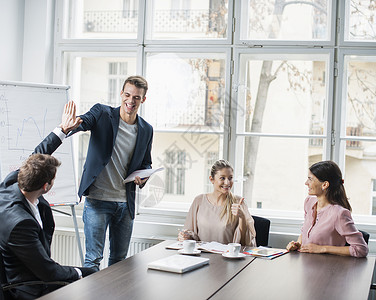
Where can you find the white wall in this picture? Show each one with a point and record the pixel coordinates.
(38, 41)
(26, 33)
(11, 39)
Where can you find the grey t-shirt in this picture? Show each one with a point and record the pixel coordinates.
(109, 184)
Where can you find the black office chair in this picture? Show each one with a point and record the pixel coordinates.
(366, 239)
(365, 236)
(6, 287)
(262, 227)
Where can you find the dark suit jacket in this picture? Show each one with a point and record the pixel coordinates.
(103, 122)
(24, 245)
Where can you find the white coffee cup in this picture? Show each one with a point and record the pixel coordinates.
(234, 249)
(189, 246)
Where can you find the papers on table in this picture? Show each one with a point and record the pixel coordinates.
(142, 174)
(218, 248)
(213, 247)
(265, 252)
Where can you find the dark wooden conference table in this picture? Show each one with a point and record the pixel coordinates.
(291, 276)
(302, 276)
(130, 279)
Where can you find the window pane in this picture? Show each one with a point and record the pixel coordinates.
(360, 20)
(361, 99)
(360, 169)
(95, 78)
(282, 96)
(277, 178)
(104, 19)
(187, 19)
(283, 20)
(185, 158)
(187, 91)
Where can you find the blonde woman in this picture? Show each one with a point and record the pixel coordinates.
(220, 216)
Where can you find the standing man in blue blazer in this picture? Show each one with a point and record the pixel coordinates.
(120, 143)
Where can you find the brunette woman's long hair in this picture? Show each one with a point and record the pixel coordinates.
(330, 172)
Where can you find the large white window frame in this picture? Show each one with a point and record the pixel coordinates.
(64, 7)
(340, 129)
(233, 46)
(226, 41)
(156, 49)
(240, 14)
(326, 136)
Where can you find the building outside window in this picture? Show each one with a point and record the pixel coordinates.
(373, 195)
(211, 158)
(175, 172)
(130, 8)
(116, 73)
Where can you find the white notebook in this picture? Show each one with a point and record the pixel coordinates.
(178, 263)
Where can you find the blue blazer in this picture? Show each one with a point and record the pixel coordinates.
(103, 123)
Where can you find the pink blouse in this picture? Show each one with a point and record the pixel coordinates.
(334, 227)
(204, 219)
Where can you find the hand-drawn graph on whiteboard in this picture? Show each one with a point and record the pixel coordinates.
(28, 113)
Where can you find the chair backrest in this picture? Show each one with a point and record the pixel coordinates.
(2, 270)
(365, 236)
(262, 226)
(2, 277)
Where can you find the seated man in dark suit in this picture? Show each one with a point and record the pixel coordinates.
(27, 221)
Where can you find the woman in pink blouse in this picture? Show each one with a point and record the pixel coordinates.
(220, 216)
(328, 224)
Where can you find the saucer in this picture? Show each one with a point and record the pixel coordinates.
(195, 252)
(240, 255)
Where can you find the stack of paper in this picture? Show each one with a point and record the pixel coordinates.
(264, 252)
(213, 247)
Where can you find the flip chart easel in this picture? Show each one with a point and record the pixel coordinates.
(28, 113)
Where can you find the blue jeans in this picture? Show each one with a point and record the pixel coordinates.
(97, 216)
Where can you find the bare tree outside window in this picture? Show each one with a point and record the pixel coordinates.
(270, 70)
(362, 20)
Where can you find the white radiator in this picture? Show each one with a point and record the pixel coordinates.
(64, 249)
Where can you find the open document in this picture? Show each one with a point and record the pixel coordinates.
(212, 247)
(142, 174)
(265, 252)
